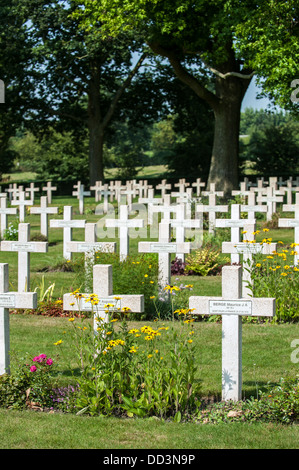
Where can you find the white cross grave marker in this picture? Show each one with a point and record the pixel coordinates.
(163, 187)
(44, 210)
(231, 306)
(22, 202)
(31, 190)
(67, 223)
(124, 224)
(181, 223)
(164, 247)
(271, 198)
(103, 288)
(80, 193)
(49, 189)
(198, 184)
(4, 212)
(24, 247)
(292, 223)
(251, 208)
(90, 245)
(10, 300)
(212, 208)
(235, 223)
(248, 248)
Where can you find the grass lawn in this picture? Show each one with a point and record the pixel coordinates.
(266, 358)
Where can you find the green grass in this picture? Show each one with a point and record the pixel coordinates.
(266, 358)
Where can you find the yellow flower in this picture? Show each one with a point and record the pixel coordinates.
(133, 349)
(152, 297)
(150, 355)
(265, 230)
(71, 319)
(190, 341)
(171, 288)
(287, 267)
(284, 274)
(58, 342)
(258, 265)
(270, 257)
(146, 275)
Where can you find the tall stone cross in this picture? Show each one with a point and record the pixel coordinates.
(182, 185)
(292, 223)
(49, 189)
(163, 187)
(80, 193)
(90, 245)
(212, 208)
(164, 247)
(271, 198)
(4, 212)
(31, 190)
(44, 211)
(97, 187)
(151, 200)
(22, 202)
(232, 307)
(235, 223)
(198, 184)
(24, 247)
(103, 288)
(180, 224)
(67, 223)
(123, 223)
(251, 207)
(247, 249)
(10, 300)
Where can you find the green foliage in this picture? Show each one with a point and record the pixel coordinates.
(137, 274)
(279, 403)
(276, 276)
(64, 157)
(11, 233)
(203, 261)
(29, 385)
(139, 372)
(274, 149)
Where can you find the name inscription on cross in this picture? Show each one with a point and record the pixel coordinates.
(67, 223)
(103, 288)
(10, 300)
(90, 245)
(232, 307)
(164, 248)
(24, 247)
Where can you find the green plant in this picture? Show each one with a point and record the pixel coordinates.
(11, 233)
(141, 371)
(45, 295)
(203, 261)
(275, 275)
(29, 385)
(138, 273)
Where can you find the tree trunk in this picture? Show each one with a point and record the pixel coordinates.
(224, 168)
(96, 129)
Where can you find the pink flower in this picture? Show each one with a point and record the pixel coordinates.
(32, 368)
(49, 362)
(40, 358)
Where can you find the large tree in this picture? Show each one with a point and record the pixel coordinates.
(269, 37)
(82, 77)
(197, 37)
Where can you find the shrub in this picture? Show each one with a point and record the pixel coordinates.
(140, 372)
(11, 233)
(204, 261)
(30, 385)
